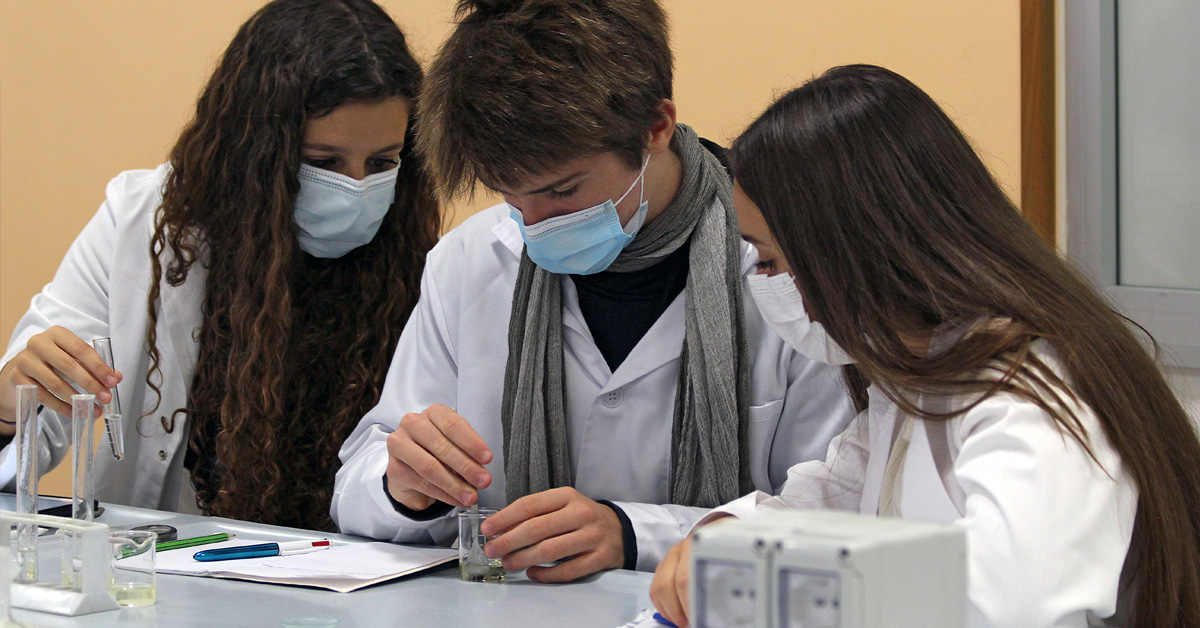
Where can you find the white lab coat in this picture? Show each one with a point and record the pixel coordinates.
(1047, 529)
(101, 290)
(454, 352)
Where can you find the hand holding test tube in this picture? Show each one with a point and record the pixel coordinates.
(112, 409)
(60, 364)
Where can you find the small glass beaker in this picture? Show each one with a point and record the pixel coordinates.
(132, 567)
(473, 564)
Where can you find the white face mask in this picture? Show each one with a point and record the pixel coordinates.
(336, 213)
(782, 308)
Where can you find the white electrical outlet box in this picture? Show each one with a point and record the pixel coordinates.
(828, 569)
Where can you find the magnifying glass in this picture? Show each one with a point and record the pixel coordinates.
(164, 531)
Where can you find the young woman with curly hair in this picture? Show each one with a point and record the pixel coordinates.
(254, 286)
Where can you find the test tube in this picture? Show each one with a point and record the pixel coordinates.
(27, 481)
(112, 409)
(83, 412)
(83, 488)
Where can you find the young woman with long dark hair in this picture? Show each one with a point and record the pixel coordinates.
(255, 286)
(1005, 394)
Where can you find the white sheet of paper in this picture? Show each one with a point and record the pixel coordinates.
(341, 568)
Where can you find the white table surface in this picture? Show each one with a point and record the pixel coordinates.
(432, 599)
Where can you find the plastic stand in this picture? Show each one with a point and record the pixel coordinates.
(90, 594)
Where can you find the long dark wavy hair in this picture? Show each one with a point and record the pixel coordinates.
(292, 350)
(894, 229)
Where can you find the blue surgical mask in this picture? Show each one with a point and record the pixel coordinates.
(336, 213)
(583, 242)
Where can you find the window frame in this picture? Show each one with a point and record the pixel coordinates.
(1089, 107)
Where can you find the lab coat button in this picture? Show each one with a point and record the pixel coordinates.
(162, 455)
(611, 399)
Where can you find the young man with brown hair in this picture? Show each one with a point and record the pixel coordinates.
(588, 340)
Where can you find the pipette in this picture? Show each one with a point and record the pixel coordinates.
(477, 555)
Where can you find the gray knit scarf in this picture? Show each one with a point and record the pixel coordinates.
(708, 435)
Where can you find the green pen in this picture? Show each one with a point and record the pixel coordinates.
(200, 540)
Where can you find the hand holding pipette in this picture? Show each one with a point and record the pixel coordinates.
(436, 455)
(54, 360)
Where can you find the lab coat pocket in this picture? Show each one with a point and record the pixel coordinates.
(768, 411)
(764, 419)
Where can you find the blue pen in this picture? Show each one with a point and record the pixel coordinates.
(261, 550)
(664, 621)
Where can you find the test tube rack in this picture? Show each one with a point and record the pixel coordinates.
(91, 594)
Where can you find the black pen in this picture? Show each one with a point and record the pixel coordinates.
(65, 510)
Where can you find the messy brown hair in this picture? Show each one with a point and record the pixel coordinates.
(292, 349)
(894, 229)
(522, 86)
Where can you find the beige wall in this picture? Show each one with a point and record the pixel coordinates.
(88, 89)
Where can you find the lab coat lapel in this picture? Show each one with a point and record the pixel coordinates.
(578, 338)
(882, 414)
(507, 232)
(662, 343)
(181, 317)
(941, 497)
(926, 495)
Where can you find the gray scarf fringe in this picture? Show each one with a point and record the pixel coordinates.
(709, 448)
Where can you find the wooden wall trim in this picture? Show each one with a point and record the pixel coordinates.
(1037, 116)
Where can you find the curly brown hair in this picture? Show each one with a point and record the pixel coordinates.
(293, 350)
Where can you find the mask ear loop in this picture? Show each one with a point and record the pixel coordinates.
(641, 177)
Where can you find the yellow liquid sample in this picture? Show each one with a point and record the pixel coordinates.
(492, 572)
(133, 594)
